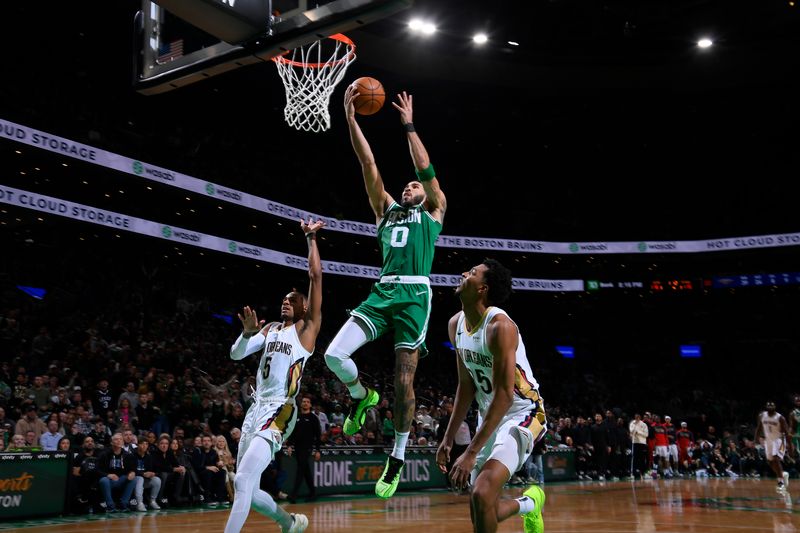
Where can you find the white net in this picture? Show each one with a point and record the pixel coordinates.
(309, 76)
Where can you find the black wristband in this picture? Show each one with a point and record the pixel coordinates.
(409, 127)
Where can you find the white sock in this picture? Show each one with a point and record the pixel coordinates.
(357, 391)
(526, 505)
(400, 440)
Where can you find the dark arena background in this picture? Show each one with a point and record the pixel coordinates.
(640, 184)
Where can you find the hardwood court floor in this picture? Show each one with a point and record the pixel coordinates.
(707, 506)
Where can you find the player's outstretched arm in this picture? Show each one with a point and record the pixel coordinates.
(422, 163)
(379, 199)
(251, 340)
(313, 316)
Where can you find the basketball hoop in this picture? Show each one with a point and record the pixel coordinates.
(309, 80)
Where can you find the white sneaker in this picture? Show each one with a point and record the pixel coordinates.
(299, 523)
(140, 507)
(153, 505)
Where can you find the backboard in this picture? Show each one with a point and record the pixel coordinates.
(186, 41)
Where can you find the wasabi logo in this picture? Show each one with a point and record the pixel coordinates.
(232, 247)
(210, 188)
(138, 168)
(592, 285)
(573, 247)
(166, 231)
(642, 246)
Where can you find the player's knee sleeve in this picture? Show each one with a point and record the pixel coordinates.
(350, 338)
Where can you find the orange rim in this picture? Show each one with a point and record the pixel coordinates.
(336, 37)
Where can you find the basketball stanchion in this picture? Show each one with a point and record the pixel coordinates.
(309, 80)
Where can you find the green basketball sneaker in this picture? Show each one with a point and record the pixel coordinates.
(390, 478)
(532, 522)
(358, 412)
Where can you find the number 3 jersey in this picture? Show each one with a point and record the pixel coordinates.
(407, 237)
(473, 350)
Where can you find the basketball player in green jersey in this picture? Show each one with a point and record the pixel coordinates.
(401, 299)
(794, 421)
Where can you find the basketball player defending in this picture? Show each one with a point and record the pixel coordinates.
(776, 433)
(401, 299)
(493, 369)
(284, 348)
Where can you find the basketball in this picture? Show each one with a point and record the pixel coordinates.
(371, 96)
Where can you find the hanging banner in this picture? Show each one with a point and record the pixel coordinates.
(53, 143)
(112, 220)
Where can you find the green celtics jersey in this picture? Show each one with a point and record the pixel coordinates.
(407, 238)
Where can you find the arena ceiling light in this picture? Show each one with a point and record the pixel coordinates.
(480, 38)
(422, 26)
(705, 42)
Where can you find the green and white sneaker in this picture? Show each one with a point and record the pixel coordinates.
(390, 478)
(532, 522)
(358, 412)
(299, 523)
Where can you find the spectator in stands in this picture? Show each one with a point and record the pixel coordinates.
(129, 394)
(322, 417)
(64, 445)
(387, 429)
(39, 395)
(146, 477)
(583, 448)
(191, 483)
(83, 419)
(84, 469)
(101, 434)
(49, 439)
(233, 442)
(145, 413)
(103, 400)
(169, 471)
(6, 427)
(337, 418)
(31, 442)
(117, 469)
(124, 414)
(209, 467)
(17, 444)
(423, 416)
(228, 461)
(129, 440)
(30, 422)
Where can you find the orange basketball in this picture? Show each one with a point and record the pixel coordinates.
(370, 96)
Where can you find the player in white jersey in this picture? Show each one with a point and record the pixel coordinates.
(493, 369)
(284, 347)
(776, 433)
